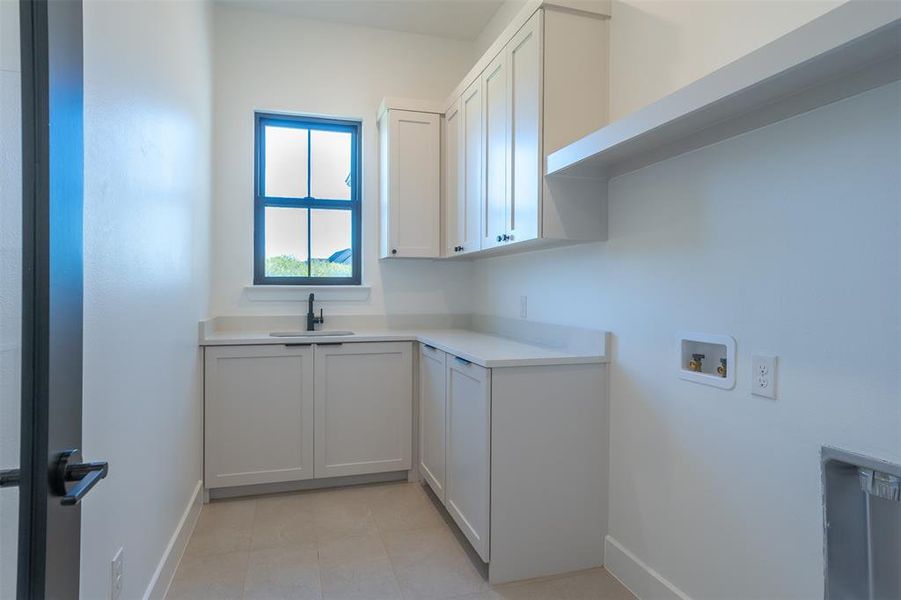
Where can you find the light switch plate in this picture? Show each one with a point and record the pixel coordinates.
(763, 376)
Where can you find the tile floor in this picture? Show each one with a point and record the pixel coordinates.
(374, 542)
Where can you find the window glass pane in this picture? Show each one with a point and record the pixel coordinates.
(331, 243)
(286, 162)
(286, 242)
(330, 165)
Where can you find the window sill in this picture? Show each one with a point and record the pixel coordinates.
(326, 293)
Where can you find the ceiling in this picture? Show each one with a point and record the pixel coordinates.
(456, 19)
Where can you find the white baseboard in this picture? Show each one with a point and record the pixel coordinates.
(632, 572)
(240, 491)
(165, 571)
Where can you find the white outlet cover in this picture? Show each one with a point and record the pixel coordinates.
(763, 376)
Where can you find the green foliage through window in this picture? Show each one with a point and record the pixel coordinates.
(288, 266)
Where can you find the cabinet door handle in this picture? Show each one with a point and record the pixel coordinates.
(394, 251)
(297, 345)
(500, 238)
(463, 361)
(329, 343)
(430, 347)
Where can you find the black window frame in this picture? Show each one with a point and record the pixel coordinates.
(261, 201)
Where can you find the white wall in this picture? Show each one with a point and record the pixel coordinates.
(495, 26)
(267, 61)
(786, 238)
(147, 212)
(658, 46)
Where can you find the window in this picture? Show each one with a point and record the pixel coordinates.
(306, 201)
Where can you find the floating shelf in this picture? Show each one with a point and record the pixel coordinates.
(851, 49)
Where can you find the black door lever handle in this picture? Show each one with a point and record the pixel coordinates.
(98, 471)
(67, 470)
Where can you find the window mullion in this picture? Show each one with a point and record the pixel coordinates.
(309, 160)
(309, 210)
(309, 243)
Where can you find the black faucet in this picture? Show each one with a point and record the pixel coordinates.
(312, 319)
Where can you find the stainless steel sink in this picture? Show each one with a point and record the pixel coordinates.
(309, 333)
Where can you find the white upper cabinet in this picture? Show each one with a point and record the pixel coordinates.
(473, 151)
(410, 188)
(542, 85)
(463, 172)
(495, 106)
(454, 185)
(524, 129)
(546, 86)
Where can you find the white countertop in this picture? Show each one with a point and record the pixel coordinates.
(490, 351)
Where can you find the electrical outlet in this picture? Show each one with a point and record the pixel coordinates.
(523, 307)
(763, 376)
(117, 574)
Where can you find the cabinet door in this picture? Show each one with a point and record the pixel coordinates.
(432, 417)
(454, 198)
(258, 414)
(497, 155)
(469, 450)
(473, 146)
(363, 408)
(414, 184)
(524, 113)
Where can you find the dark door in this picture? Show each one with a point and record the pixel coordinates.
(52, 477)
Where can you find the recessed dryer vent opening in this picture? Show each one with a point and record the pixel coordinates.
(707, 358)
(862, 529)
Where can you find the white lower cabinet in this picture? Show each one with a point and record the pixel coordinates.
(432, 421)
(282, 413)
(517, 455)
(525, 461)
(258, 415)
(363, 408)
(468, 495)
